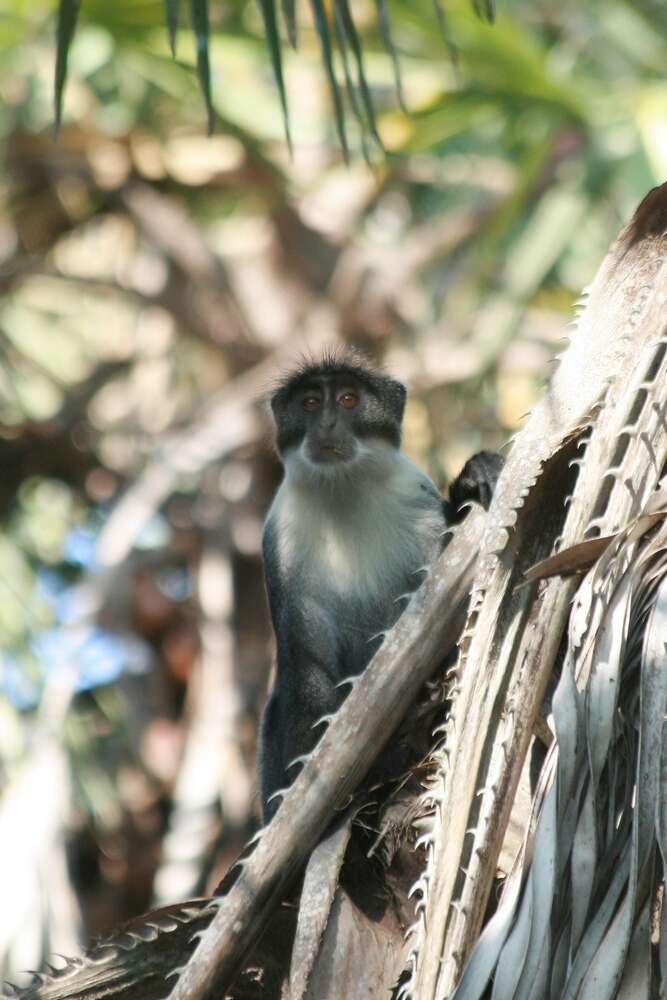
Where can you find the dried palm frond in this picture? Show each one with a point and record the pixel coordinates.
(575, 917)
(603, 415)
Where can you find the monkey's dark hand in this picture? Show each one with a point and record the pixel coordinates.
(476, 481)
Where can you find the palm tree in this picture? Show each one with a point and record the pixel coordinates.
(582, 902)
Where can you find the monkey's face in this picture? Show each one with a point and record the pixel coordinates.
(331, 407)
(332, 419)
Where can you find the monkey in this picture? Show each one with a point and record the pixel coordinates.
(351, 530)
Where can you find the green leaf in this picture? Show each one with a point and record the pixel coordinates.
(289, 17)
(171, 10)
(268, 8)
(486, 9)
(349, 82)
(68, 11)
(347, 22)
(200, 26)
(385, 30)
(444, 28)
(322, 26)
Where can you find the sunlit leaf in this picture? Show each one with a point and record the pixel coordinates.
(200, 25)
(554, 220)
(68, 11)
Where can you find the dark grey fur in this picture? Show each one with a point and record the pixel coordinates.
(350, 532)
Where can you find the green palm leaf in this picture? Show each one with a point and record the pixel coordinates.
(486, 9)
(353, 39)
(200, 26)
(322, 25)
(289, 16)
(384, 23)
(334, 21)
(273, 41)
(349, 82)
(171, 10)
(68, 11)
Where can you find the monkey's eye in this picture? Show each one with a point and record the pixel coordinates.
(348, 399)
(311, 401)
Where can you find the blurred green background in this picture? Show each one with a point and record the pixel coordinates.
(155, 282)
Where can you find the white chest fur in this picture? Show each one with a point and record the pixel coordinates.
(359, 539)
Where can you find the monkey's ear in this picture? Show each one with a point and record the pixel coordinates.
(398, 395)
(280, 397)
(276, 403)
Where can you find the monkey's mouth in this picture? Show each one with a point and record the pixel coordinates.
(330, 451)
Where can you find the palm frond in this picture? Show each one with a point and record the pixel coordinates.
(349, 81)
(352, 37)
(384, 23)
(486, 9)
(171, 12)
(273, 41)
(613, 405)
(324, 34)
(200, 26)
(289, 16)
(335, 27)
(68, 12)
(573, 920)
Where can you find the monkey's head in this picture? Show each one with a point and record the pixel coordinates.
(332, 413)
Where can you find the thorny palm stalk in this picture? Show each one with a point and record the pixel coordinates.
(605, 411)
(574, 920)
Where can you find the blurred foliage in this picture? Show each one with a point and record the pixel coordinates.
(154, 281)
(335, 25)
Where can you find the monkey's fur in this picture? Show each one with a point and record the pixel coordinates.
(351, 529)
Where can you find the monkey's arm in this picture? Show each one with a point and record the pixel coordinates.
(306, 675)
(476, 481)
(303, 693)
